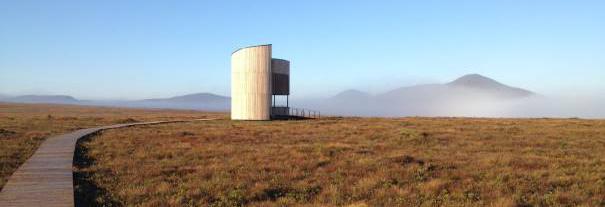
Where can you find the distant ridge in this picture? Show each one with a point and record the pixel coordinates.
(468, 92)
(197, 101)
(475, 80)
(196, 97)
(351, 94)
(480, 82)
(61, 99)
(475, 84)
(468, 83)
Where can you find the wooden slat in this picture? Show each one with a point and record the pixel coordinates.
(46, 178)
(251, 83)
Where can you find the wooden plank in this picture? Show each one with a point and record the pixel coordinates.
(251, 83)
(46, 178)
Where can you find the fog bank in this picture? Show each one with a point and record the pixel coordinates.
(462, 105)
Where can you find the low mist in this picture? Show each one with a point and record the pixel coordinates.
(469, 106)
(468, 96)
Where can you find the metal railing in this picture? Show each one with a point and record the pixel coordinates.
(307, 113)
(295, 112)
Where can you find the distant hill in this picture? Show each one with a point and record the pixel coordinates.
(479, 82)
(465, 87)
(351, 95)
(197, 101)
(57, 99)
(469, 93)
(196, 98)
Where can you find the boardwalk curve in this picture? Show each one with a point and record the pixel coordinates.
(46, 178)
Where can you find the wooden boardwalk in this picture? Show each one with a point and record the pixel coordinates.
(46, 178)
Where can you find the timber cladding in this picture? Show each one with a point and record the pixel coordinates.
(251, 87)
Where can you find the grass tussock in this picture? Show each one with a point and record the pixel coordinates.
(23, 127)
(351, 162)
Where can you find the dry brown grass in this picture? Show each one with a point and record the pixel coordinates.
(351, 161)
(23, 127)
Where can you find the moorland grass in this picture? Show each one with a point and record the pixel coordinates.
(23, 127)
(350, 161)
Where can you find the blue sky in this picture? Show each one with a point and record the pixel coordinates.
(144, 49)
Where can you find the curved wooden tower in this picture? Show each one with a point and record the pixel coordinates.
(251, 87)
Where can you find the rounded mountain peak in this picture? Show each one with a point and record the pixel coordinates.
(475, 80)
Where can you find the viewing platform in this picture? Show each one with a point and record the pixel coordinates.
(284, 112)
